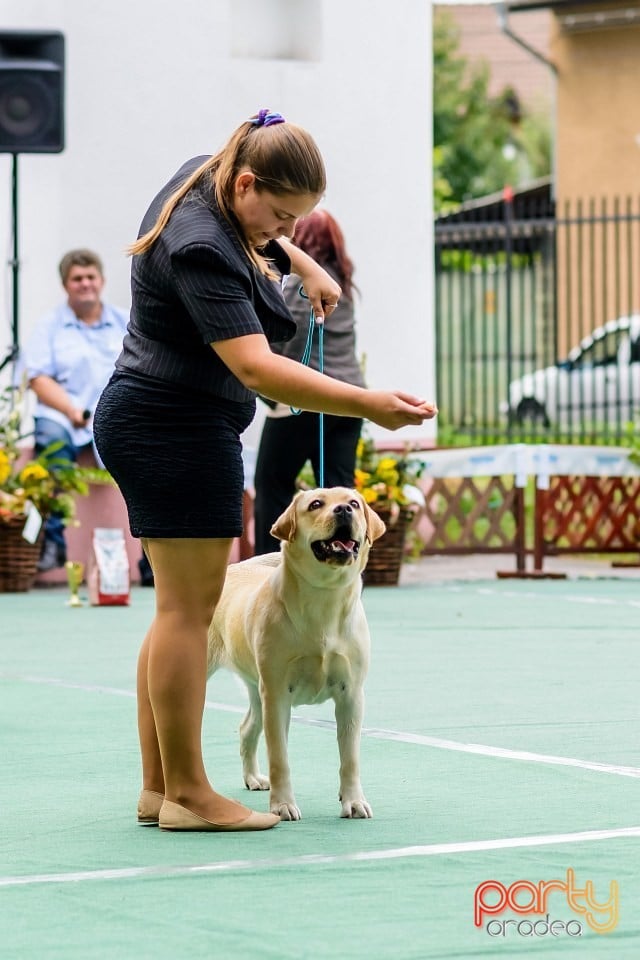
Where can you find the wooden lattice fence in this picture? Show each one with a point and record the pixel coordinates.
(569, 513)
(474, 515)
(587, 515)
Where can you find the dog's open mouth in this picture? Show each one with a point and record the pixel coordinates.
(340, 548)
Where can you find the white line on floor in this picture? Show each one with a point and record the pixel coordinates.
(532, 595)
(375, 733)
(320, 859)
(483, 750)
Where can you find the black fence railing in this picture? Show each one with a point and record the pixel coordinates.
(538, 319)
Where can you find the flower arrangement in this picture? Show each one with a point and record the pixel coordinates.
(47, 482)
(387, 479)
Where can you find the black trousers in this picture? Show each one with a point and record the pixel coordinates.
(285, 446)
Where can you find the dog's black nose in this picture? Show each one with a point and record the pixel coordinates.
(343, 510)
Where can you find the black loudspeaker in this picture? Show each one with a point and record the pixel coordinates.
(31, 91)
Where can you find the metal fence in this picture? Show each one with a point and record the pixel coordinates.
(538, 319)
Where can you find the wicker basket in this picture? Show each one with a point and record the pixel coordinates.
(18, 557)
(387, 553)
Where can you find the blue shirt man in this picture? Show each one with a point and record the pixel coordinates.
(68, 360)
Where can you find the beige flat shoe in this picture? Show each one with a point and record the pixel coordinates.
(149, 808)
(175, 817)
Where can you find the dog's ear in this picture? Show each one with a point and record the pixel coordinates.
(375, 526)
(285, 526)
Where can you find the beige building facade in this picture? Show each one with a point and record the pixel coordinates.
(594, 51)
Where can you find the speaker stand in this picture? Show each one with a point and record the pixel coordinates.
(14, 349)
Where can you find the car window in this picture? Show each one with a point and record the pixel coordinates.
(601, 352)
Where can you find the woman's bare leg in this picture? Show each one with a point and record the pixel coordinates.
(152, 776)
(189, 576)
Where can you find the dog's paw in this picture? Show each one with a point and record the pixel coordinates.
(255, 781)
(286, 811)
(356, 809)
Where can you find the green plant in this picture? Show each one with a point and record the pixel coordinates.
(632, 440)
(481, 141)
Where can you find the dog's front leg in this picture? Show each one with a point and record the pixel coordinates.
(349, 713)
(276, 714)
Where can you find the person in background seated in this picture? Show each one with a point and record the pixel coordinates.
(289, 440)
(68, 360)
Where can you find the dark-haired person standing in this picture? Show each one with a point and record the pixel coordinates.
(288, 440)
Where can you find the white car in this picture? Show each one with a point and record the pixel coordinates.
(598, 383)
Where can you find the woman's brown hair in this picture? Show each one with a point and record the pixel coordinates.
(320, 236)
(284, 159)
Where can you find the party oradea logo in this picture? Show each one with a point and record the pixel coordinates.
(492, 899)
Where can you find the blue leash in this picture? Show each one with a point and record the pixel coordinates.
(306, 359)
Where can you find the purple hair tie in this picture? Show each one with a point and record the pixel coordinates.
(265, 119)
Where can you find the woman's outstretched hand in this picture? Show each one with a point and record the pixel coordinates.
(288, 381)
(397, 409)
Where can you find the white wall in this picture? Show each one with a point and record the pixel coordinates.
(152, 82)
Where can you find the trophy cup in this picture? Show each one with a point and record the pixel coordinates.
(75, 573)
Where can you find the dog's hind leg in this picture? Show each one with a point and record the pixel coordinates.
(250, 730)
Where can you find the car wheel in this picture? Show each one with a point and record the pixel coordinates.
(531, 412)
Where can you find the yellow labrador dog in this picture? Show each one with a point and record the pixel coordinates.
(292, 625)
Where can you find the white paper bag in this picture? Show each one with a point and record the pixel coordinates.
(108, 575)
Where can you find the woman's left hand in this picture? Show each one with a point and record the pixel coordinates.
(319, 286)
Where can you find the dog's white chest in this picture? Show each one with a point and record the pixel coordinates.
(314, 679)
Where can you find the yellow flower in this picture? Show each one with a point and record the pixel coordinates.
(33, 473)
(370, 495)
(5, 467)
(389, 475)
(361, 478)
